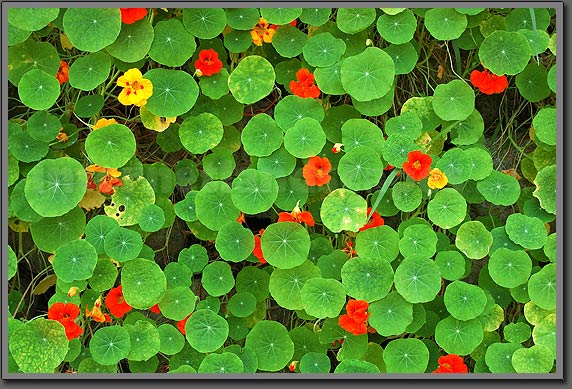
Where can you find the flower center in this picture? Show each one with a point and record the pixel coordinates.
(319, 173)
(416, 165)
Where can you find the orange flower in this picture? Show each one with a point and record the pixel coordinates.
(437, 179)
(131, 15)
(257, 252)
(451, 364)
(262, 32)
(241, 218)
(62, 74)
(355, 321)
(108, 181)
(304, 87)
(155, 309)
(115, 302)
(66, 314)
(62, 137)
(316, 171)
(297, 216)
(293, 365)
(389, 167)
(375, 221)
(417, 165)
(488, 83)
(182, 323)
(337, 148)
(96, 313)
(208, 63)
(102, 123)
(349, 249)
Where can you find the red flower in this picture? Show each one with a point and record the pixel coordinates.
(116, 303)
(417, 165)
(208, 63)
(155, 309)
(488, 83)
(257, 252)
(355, 321)
(182, 323)
(304, 87)
(451, 364)
(375, 221)
(316, 171)
(62, 74)
(66, 314)
(131, 15)
(297, 216)
(107, 183)
(389, 167)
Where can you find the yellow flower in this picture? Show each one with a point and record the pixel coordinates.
(262, 32)
(103, 122)
(136, 89)
(437, 179)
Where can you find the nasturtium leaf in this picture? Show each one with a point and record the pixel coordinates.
(315, 16)
(529, 232)
(280, 15)
(215, 86)
(31, 55)
(144, 283)
(217, 278)
(464, 301)
(329, 79)
(323, 297)
(194, 257)
(313, 362)
(242, 304)
(473, 239)
(104, 275)
(499, 188)
(390, 315)
(55, 186)
(535, 359)
(75, 260)
(177, 303)
(532, 83)
(261, 136)
(89, 105)
(305, 139)
(542, 287)
(551, 78)
(43, 126)
(109, 345)
(454, 100)
(201, 133)
(368, 75)
(289, 41)
(406, 196)
(353, 347)
(253, 280)
(174, 92)
(397, 147)
(254, 191)
(234, 243)
(404, 57)
(509, 268)
(206, 331)
(406, 356)
(92, 29)
(50, 233)
(519, 18)
(148, 366)
(458, 337)
(171, 340)
(469, 130)
(13, 169)
(17, 35)
(279, 164)
(418, 239)
(380, 242)
(504, 52)
(408, 123)
(305, 341)
(227, 109)
(285, 245)
(447, 209)
(323, 50)
(133, 42)
(417, 279)
(272, 345)
(544, 123)
(145, 340)
(398, 28)
(123, 244)
(20, 205)
(24, 148)
(343, 210)
(544, 333)
(12, 263)
(224, 363)
(545, 192)
(423, 107)
(291, 109)
(360, 168)
(88, 365)
(214, 205)
(451, 264)
(111, 146)
(367, 279)
(178, 274)
(290, 191)
(32, 19)
(481, 162)
(252, 80)
(186, 208)
(204, 23)
(286, 284)
(456, 164)
(550, 247)
(331, 264)
(152, 218)
(172, 45)
(38, 90)
(129, 200)
(186, 172)
(354, 20)
(361, 132)
(335, 118)
(352, 366)
(498, 357)
(242, 18)
(518, 332)
(445, 23)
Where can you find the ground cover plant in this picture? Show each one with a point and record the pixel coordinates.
(243, 190)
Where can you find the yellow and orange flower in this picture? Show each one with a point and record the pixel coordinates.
(136, 89)
(437, 179)
(103, 122)
(62, 73)
(262, 32)
(96, 314)
(297, 216)
(107, 183)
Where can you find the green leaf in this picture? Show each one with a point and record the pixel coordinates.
(75, 260)
(123, 244)
(417, 279)
(315, 16)
(468, 131)
(291, 109)
(31, 19)
(51, 232)
(152, 218)
(323, 297)
(252, 80)
(458, 337)
(406, 196)
(204, 23)
(360, 168)
(214, 205)
(254, 191)
(404, 56)
(286, 284)
(542, 287)
(234, 242)
(529, 232)
(133, 42)
(315, 363)
(280, 15)
(38, 89)
(172, 45)
(464, 301)
(174, 92)
(285, 245)
(272, 345)
(451, 264)
(111, 146)
(454, 100)
(518, 332)
(354, 20)
(533, 86)
(504, 52)
(544, 123)
(194, 257)
(544, 333)
(171, 341)
(109, 345)
(418, 239)
(499, 188)
(498, 357)
(31, 55)
(129, 200)
(545, 191)
(217, 278)
(350, 366)
(447, 209)
(391, 315)
(43, 126)
(343, 209)
(398, 28)
(406, 356)
(242, 18)
(379, 242)
(279, 164)
(104, 275)
(323, 50)
(92, 29)
(242, 304)
(473, 239)
(225, 363)
(145, 340)
(177, 303)
(536, 359)
(289, 41)
(144, 283)
(254, 280)
(445, 23)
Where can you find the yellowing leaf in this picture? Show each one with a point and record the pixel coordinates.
(65, 42)
(45, 284)
(18, 225)
(154, 122)
(92, 200)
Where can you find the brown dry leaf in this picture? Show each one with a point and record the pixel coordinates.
(65, 42)
(92, 200)
(43, 286)
(547, 226)
(440, 71)
(512, 172)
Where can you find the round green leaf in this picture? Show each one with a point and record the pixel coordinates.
(473, 239)
(529, 232)
(204, 23)
(305, 139)
(551, 78)
(544, 333)
(285, 245)
(177, 303)
(38, 89)
(445, 23)
(51, 232)
(23, 147)
(109, 345)
(194, 257)
(290, 191)
(272, 345)
(133, 42)
(254, 191)
(216, 85)
(286, 284)
(215, 206)
(520, 18)
(361, 132)
(458, 337)
(144, 283)
(369, 75)
(75, 260)
(280, 15)
(499, 188)
(379, 242)
(469, 130)
(391, 315)
(454, 100)
(86, 73)
(242, 18)
(360, 168)
(217, 278)
(32, 19)
(417, 279)
(504, 52)
(447, 209)
(289, 41)
(323, 50)
(201, 133)
(242, 304)
(509, 268)
(43, 126)
(544, 123)
(128, 200)
(88, 106)
(171, 341)
(253, 280)
(17, 35)
(542, 287)
(342, 210)
(186, 172)
(279, 164)
(261, 136)
(408, 123)
(104, 275)
(536, 359)
(252, 80)
(367, 279)
(545, 191)
(451, 264)
(518, 332)
(234, 242)
(404, 56)
(225, 363)
(406, 356)
(464, 301)
(92, 29)
(397, 147)
(145, 340)
(291, 109)
(123, 244)
(418, 239)
(498, 357)
(152, 218)
(481, 162)
(406, 196)
(349, 366)
(397, 28)
(532, 83)
(315, 16)
(206, 331)
(174, 92)
(172, 45)
(315, 363)
(354, 20)
(111, 146)
(323, 297)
